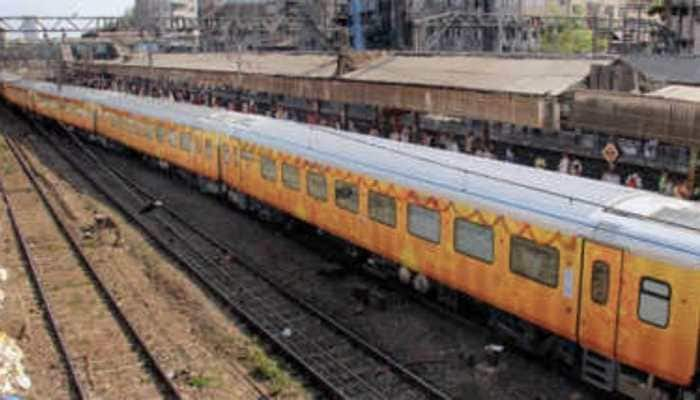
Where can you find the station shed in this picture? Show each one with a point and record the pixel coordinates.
(520, 91)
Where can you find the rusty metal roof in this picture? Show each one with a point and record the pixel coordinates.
(498, 74)
(287, 64)
(531, 76)
(680, 69)
(678, 92)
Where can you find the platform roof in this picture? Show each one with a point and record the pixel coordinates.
(287, 64)
(535, 76)
(514, 90)
(678, 92)
(683, 70)
(667, 115)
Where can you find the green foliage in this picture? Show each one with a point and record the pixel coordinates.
(570, 35)
(6, 158)
(200, 382)
(571, 38)
(656, 8)
(269, 370)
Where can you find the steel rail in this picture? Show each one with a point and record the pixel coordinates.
(33, 271)
(423, 386)
(165, 384)
(201, 276)
(255, 268)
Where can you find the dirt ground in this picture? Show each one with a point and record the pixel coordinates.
(199, 345)
(21, 317)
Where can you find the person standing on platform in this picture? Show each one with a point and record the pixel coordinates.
(634, 181)
(510, 155)
(610, 175)
(452, 144)
(469, 143)
(576, 167)
(540, 162)
(564, 163)
(405, 135)
(394, 135)
(682, 190)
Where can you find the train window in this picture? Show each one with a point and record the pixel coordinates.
(225, 153)
(290, 176)
(172, 138)
(316, 186)
(474, 240)
(247, 155)
(268, 168)
(208, 148)
(186, 142)
(160, 135)
(533, 261)
(149, 133)
(382, 208)
(347, 196)
(600, 282)
(424, 223)
(654, 302)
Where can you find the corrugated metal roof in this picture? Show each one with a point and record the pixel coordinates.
(525, 76)
(667, 68)
(678, 92)
(494, 74)
(558, 201)
(287, 64)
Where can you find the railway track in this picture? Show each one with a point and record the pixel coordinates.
(103, 354)
(343, 364)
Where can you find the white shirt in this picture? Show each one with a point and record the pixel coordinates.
(564, 164)
(611, 177)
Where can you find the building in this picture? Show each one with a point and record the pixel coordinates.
(683, 18)
(424, 25)
(149, 14)
(207, 8)
(267, 23)
(184, 8)
(30, 29)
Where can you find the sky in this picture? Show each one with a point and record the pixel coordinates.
(87, 8)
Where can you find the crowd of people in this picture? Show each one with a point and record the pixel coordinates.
(480, 146)
(473, 143)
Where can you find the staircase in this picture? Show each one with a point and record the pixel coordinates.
(599, 371)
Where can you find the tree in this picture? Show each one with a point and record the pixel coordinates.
(569, 35)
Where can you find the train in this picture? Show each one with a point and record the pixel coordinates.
(602, 278)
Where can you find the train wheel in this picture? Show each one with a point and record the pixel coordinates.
(405, 275)
(421, 284)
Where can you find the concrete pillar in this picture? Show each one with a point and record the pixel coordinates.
(380, 119)
(416, 125)
(344, 115)
(693, 166)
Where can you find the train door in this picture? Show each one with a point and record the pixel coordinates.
(600, 298)
(248, 170)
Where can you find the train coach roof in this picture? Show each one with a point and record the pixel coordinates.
(643, 222)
